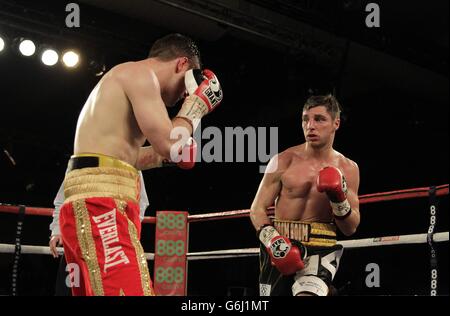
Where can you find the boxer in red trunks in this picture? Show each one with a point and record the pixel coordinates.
(99, 220)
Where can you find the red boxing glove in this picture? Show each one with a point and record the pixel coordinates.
(205, 94)
(333, 183)
(188, 155)
(208, 89)
(285, 256)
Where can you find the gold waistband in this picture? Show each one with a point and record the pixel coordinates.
(107, 161)
(111, 178)
(310, 234)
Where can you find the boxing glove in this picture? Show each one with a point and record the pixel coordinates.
(188, 155)
(285, 256)
(186, 158)
(332, 182)
(205, 94)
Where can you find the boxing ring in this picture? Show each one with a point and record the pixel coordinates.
(172, 239)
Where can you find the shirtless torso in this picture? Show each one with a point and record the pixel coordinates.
(127, 108)
(107, 124)
(299, 199)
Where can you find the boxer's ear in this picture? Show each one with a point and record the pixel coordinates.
(182, 64)
(337, 124)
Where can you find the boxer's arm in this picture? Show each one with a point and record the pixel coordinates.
(148, 159)
(349, 225)
(143, 90)
(285, 255)
(267, 194)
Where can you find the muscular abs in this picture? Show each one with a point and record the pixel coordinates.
(299, 199)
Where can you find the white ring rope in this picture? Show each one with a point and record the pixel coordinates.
(250, 252)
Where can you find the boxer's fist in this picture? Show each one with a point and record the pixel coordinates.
(205, 85)
(205, 94)
(332, 182)
(285, 256)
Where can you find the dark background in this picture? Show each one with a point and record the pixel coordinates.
(269, 56)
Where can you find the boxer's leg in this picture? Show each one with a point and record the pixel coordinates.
(108, 245)
(321, 266)
(72, 252)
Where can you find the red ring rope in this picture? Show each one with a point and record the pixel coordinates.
(363, 199)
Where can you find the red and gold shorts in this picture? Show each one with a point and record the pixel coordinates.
(101, 229)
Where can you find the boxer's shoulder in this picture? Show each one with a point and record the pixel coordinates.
(346, 164)
(135, 74)
(286, 158)
(295, 154)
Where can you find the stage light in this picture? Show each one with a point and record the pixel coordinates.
(49, 57)
(27, 47)
(2, 44)
(71, 59)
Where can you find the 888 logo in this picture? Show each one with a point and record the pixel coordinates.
(171, 221)
(170, 248)
(169, 275)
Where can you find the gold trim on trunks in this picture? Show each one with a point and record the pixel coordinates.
(309, 233)
(110, 182)
(87, 246)
(140, 255)
(108, 162)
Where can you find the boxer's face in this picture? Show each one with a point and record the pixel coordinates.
(319, 127)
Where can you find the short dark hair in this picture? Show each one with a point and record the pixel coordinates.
(328, 101)
(174, 46)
